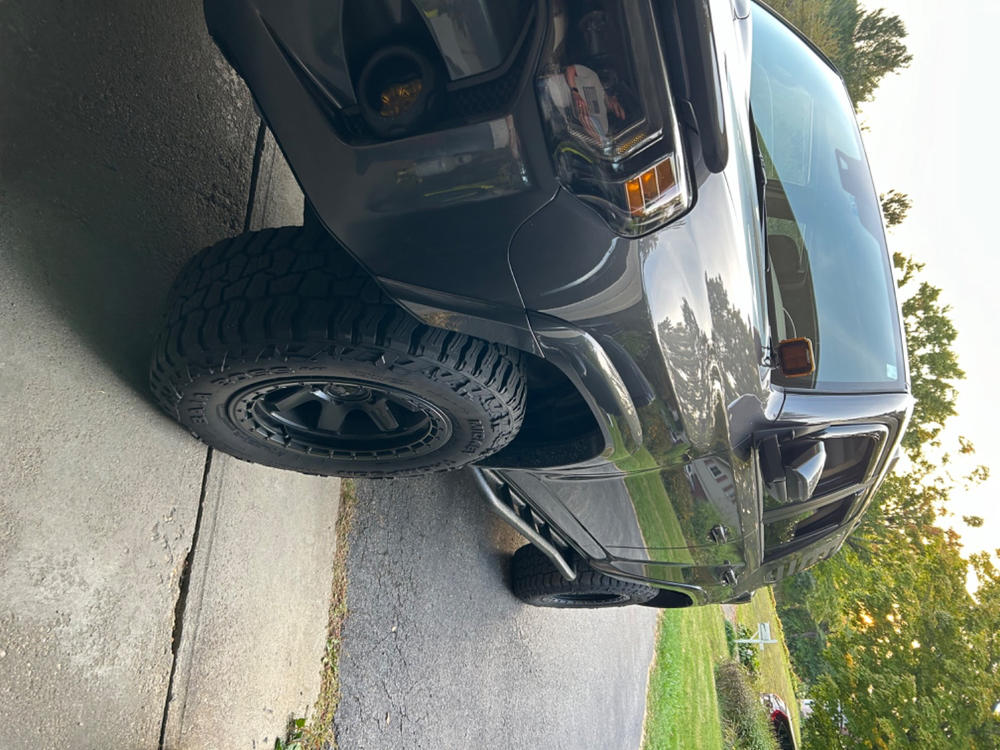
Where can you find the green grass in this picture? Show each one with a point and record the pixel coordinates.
(776, 674)
(682, 708)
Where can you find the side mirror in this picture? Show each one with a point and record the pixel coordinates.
(796, 358)
(802, 474)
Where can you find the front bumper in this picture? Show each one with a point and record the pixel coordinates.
(431, 215)
(446, 221)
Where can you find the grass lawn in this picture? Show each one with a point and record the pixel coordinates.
(682, 710)
(775, 664)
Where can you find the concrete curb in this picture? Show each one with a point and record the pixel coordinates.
(251, 627)
(126, 145)
(254, 622)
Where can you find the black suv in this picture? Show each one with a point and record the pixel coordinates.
(625, 258)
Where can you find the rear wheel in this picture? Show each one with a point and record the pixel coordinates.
(279, 349)
(537, 581)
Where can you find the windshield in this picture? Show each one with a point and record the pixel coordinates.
(829, 275)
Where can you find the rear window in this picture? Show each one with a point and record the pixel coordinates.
(780, 535)
(851, 457)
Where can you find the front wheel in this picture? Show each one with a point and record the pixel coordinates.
(538, 582)
(279, 349)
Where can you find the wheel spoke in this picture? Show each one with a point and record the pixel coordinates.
(381, 415)
(294, 399)
(324, 416)
(332, 416)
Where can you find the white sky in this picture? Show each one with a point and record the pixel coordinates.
(933, 133)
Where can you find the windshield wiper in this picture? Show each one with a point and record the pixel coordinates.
(761, 176)
(758, 168)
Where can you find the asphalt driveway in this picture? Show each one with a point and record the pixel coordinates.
(437, 653)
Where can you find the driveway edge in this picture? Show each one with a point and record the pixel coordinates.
(320, 733)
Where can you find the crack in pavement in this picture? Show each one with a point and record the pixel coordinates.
(180, 605)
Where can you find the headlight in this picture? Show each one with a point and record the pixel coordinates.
(609, 114)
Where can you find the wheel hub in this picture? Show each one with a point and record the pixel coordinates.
(341, 417)
(340, 392)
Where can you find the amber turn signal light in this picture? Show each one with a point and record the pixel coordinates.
(646, 188)
(795, 357)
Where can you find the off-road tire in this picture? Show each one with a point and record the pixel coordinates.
(537, 581)
(285, 304)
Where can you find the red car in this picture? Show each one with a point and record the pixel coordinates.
(781, 720)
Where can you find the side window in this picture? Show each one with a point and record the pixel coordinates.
(851, 459)
(847, 462)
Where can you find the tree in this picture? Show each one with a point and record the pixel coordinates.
(934, 369)
(895, 206)
(876, 49)
(864, 45)
(912, 660)
(813, 19)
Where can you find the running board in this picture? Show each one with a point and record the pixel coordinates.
(516, 512)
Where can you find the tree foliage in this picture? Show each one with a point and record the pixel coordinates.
(909, 657)
(934, 368)
(894, 649)
(877, 49)
(864, 45)
(895, 207)
(915, 662)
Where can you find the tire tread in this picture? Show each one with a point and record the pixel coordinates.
(534, 579)
(294, 290)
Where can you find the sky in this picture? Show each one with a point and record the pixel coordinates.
(932, 132)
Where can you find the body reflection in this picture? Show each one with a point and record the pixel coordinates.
(673, 509)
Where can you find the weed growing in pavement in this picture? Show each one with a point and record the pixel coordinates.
(319, 733)
(293, 735)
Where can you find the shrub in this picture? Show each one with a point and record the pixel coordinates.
(745, 724)
(730, 638)
(748, 653)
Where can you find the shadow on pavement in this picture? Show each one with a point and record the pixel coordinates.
(125, 145)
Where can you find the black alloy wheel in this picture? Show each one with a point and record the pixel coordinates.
(340, 416)
(279, 349)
